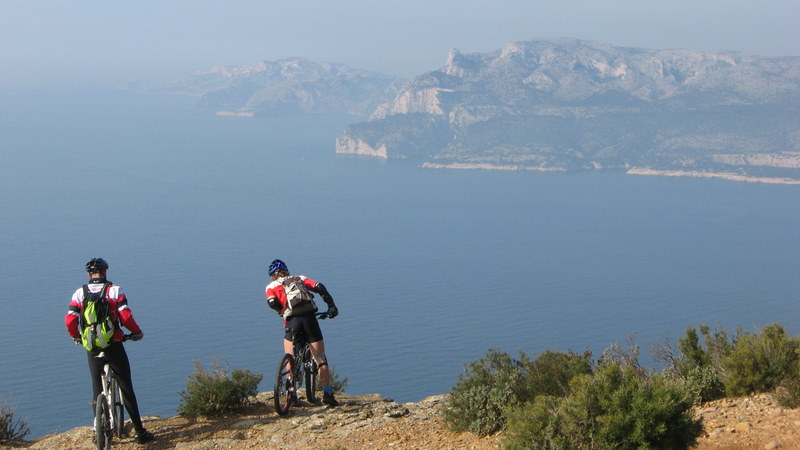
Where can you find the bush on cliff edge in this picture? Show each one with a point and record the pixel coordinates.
(742, 364)
(217, 391)
(491, 384)
(564, 400)
(11, 429)
(616, 407)
(477, 400)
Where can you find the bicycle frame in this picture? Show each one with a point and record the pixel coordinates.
(110, 397)
(301, 360)
(303, 372)
(109, 405)
(299, 352)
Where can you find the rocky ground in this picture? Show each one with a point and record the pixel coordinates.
(756, 422)
(375, 422)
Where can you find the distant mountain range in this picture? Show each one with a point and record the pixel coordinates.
(294, 85)
(569, 104)
(561, 104)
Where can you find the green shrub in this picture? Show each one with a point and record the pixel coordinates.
(625, 356)
(759, 363)
(718, 344)
(741, 365)
(715, 347)
(11, 429)
(696, 355)
(477, 400)
(788, 393)
(614, 408)
(550, 373)
(663, 415)
(670, 357)
(563, 400)
(539, 423)
(691, 358)
(338, 384)
(218, 391)
(705, 384)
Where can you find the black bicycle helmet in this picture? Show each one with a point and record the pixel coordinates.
(277, 265)
(96, 265)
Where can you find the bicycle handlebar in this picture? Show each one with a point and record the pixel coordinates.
(125, 337)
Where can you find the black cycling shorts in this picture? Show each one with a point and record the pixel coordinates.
(308, 323)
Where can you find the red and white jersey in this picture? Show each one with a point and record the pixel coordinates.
(275, 289)
(119, 310)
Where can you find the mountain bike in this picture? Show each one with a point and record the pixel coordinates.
(295, 370)
(109, 414)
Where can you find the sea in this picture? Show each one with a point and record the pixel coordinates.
(429, 268)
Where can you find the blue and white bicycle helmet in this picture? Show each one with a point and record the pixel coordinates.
(277, 265)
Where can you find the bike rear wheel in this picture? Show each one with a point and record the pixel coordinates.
(102, 427)
(117, 408)
(283, 385)
(310, 375)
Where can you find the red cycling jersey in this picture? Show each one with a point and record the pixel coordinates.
(119, 310)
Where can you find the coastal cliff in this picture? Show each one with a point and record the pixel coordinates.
(372, 421)
(566, 104)
(359, 422)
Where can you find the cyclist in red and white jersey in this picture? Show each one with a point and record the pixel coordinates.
(115, 353)
(306, 320)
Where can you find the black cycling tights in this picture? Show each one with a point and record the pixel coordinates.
(118, 359)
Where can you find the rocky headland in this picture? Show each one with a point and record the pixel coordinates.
(567, 104)
(287, 86)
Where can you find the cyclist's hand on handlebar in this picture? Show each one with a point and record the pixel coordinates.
(137, 336)
(333, 311)
(77, 340)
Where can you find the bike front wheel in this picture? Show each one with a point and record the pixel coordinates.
(310, 375)
(117, 408)
(102, 428)
(284, 385)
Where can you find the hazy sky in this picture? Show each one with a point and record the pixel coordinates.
(67, 42)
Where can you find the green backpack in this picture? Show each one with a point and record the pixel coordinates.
(97, 328)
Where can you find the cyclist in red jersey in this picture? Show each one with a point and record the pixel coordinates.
(115, 353)
(305, 319)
